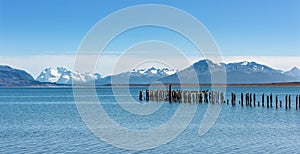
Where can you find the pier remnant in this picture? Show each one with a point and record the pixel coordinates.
(263, 100)
(141, 95)
(170, 93)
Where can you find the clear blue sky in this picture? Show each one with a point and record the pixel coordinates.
(240, 27)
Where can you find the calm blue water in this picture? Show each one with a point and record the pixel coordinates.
(41, 120)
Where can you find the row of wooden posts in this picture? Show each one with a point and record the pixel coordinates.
(215, 97)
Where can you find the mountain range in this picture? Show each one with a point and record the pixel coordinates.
(63, 75)
(203, 72)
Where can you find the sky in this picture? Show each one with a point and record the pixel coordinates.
(36, 34)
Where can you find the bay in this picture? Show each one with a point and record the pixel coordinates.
(46, 120)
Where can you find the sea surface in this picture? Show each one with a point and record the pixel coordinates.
(46, 120)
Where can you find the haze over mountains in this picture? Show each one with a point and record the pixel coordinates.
(200, 72)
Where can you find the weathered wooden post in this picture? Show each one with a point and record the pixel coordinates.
(254, 99)
(289, 101)
(247, 99)
(194, 97)
(189, 97)
(232, 99)
(147, 95)
(201, 99)
(152, 95)
(206, 97)
(180, 96)
(263, 100)
(267, 101)
(250, 100)
(280, 103)
(170, 93)
(297, 102)
(184, 96)
(271, 100)
(242, 99)
(276, 99)
(218, 97)
(209, 96)
(222, 97)
(141, 95)
(286, 101)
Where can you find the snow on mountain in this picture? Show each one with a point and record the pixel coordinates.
(153, 72)
(63, 75)
(239, 72)
(248, 67)
(137, 76)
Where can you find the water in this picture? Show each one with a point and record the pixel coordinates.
(41, 120)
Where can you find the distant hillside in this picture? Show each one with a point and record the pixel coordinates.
(236, 73)
(15, 77)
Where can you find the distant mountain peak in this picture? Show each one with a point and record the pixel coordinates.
(295, 69)
(154, 71)
(64, 75)
(294, 72)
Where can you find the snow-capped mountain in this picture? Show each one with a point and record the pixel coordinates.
(137, 76)
(240, 72)
(153, 72)
(63, 75)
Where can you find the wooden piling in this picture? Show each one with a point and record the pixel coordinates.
(147, 95)
(263, 100)
(280, 103)
(233, 99)
(254, 99)
(170, 93)
(250, 103)
(271, 100)
(201, 99)
(286, 101)
(289, 101)
(276, 99)
(206, 97)
(267, 101)
(184, 96)
(247, 99)
(222, 97)
(242, 99)
(141, 95)
(297, 102)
